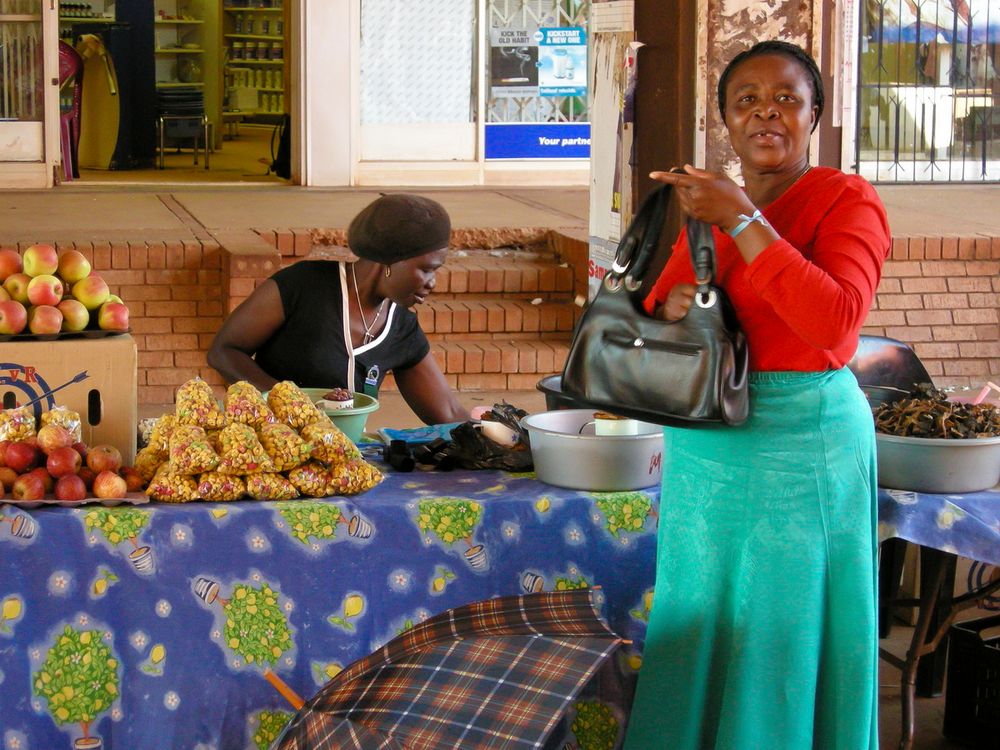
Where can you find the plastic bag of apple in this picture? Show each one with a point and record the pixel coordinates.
(48, 294)
(249, 447)
(53, 465)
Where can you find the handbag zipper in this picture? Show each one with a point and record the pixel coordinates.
(637, 342)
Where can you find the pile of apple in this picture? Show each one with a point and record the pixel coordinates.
(52, 463)
(50, 293)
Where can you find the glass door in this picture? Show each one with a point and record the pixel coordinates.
(417, 80)
(27, 60)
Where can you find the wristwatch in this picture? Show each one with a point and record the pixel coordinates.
(746, 221)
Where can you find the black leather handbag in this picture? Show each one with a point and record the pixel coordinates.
(673, 373)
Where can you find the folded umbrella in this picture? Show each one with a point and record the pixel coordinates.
(494, 674)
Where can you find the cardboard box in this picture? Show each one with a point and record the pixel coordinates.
(94, 377)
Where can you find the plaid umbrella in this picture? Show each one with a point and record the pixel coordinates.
(493, 674)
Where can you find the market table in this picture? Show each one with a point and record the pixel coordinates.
(944, 526)
(152, 626)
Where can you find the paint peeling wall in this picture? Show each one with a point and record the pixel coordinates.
(730, 27)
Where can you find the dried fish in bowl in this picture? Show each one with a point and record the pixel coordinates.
(929, 414)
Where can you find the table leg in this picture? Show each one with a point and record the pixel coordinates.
(931, 582)
(931, 672)
(892, 553)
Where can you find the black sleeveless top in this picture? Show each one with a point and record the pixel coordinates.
(309, 348)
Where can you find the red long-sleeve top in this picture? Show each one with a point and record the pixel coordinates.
(802, 301)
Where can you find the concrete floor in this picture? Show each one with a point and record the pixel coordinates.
(104, 210)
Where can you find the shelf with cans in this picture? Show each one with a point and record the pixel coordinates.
(254, 37)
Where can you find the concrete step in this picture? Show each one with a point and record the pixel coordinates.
(486, 316)
(514, 364)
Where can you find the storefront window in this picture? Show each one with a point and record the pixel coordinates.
(21, 60)
(22, 81)
(537, 79)
(929, 93)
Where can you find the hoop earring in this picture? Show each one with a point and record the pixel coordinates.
(388, 272)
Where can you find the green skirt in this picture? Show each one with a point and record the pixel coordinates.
(763, 625)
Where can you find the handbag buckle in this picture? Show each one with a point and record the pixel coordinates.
(631, 284)
(613, 282)
(705, 300)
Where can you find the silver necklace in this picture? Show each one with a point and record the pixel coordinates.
(364, 321)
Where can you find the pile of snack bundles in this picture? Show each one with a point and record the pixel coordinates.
(274, 449)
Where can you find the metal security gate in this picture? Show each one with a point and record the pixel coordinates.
(928, 91)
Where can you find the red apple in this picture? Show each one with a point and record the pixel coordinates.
(45, 290)
(75, 315)
(3, 451)
(113, 316)
(44, 319)
(91, 291)
(87, 475)
(7, 477)
(16, 285)
(107, 484)
(70, 489)
(21, 456)
(52, 436)
(73, 266)
(81, 448)
(104, 458)
(63, 461)
(40, 259)
(133, 480)
(13, 317)
(10, 263)
(33, 441)
(47, 479)
(28, 487)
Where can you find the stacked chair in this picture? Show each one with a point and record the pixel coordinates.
(181, 116)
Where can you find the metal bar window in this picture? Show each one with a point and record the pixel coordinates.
(929, 93)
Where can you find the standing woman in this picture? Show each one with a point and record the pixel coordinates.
(325, 324)
(763, 624)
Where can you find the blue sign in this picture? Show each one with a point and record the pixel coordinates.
(562, 61)
(543, 140)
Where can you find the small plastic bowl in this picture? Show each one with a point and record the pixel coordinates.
(350, 421)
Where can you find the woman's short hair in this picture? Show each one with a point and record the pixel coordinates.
(399, 226)
(776, 47)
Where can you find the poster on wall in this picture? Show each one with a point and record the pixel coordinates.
(513, 63)
(562, 61)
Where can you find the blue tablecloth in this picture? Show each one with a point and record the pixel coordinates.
(966, 525)
(150, 627)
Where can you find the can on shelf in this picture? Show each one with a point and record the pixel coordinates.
(277, 50)
(262, 51)
(251, 50)
(239, 51)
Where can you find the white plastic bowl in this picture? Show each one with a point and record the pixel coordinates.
(938, 465)
(610, 463)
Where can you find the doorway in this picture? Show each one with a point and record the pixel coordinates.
(179, 91)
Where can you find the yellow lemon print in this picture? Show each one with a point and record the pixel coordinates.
(157, 654)
(353, 605)
(220, 512)
(543, 504)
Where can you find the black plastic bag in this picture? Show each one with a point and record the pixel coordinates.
(473, 450)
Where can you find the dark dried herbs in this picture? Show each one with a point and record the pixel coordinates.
(929, 414)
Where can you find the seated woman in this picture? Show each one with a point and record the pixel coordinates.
(326, 324)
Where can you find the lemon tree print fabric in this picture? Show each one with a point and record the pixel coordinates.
(156, 626)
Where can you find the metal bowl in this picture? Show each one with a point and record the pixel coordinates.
(939, 465)
(567, 453)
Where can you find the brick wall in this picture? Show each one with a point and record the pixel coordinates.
(939, 294)
(173, 290)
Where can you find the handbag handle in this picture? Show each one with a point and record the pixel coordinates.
(630, 263)
(641, 238)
